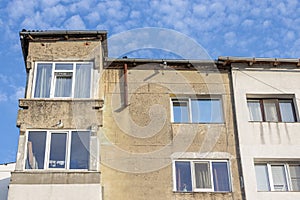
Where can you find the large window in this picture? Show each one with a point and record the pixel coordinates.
(278, 176)
(63, 80)
(58, 149)
(271, 110)
(202, 176)
(204, 110)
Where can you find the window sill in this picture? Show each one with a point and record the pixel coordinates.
(273, 122)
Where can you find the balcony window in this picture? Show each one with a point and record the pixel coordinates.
(58, 150)
(63, 80)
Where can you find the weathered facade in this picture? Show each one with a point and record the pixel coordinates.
(98, 128)
(58, 154)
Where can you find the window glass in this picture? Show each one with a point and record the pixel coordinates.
(254, 110)
(206, 110)
(295, 177)
(286, 110)
(58, 150)
(63, 84)
(180, 111)
(183, 176)
(80, 146)
(202, 175)
(279, 178)
(270, 111)
(220, 176)
(43, 80)
(36, 150)
(63, 66)
(83, 80)
(262, 179)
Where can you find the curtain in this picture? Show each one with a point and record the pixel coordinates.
(270, 111)
(183, 176)
(254, 110)
(279, 178)
(83, 81)
(63, 85)
(80, 148)
(262, 178)
(43, 80)
(202, 174)
(220, 176)
(36, 146)
(286, 110)
(295, 177)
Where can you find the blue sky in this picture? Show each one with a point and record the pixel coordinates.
(252, 28)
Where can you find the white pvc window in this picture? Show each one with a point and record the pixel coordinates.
(200, 110)
(201, 176)
(277, 176)
(58, 150)
(63, 80)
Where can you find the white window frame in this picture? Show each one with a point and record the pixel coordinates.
(48, 146)
(193, 177)
(189, 100)
(53, 79)
(286, 173)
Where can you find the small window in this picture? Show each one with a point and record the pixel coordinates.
(63, 80)
(197, 111)
(202, 176)
(271, 110)
(277, 176)
(58, 150)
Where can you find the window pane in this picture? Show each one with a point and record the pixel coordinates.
(63, 84)
(279, 178)
(183, 176)
(36, 150)
(262, 179)
(180, 111)
(206, 110)
(80, 145)
(295, 177)
(286, 110)
(220, 176)
(254, 110)
(58, 150)
(270, 111)
(43, 80)
(202, 175)
(83, 81)
(63, 66)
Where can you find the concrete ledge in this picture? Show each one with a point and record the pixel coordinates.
(47, 177)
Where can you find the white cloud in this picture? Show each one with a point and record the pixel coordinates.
(18, 94)
(74, 23)
(93, 17)
(3, 97)
(230, 38)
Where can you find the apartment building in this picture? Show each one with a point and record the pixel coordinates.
(93, 127)
(266, 99)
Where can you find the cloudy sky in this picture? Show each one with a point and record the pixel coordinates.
(255, 28)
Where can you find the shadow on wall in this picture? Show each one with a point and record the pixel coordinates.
(4, 188)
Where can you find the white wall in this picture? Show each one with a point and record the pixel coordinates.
(265, 140)
(5, 170)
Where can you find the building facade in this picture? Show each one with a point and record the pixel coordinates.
(92, 127)
(266, 92)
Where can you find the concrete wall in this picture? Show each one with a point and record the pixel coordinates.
(139, 140)
(265, 140)
(5, 173)
(74, 114)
